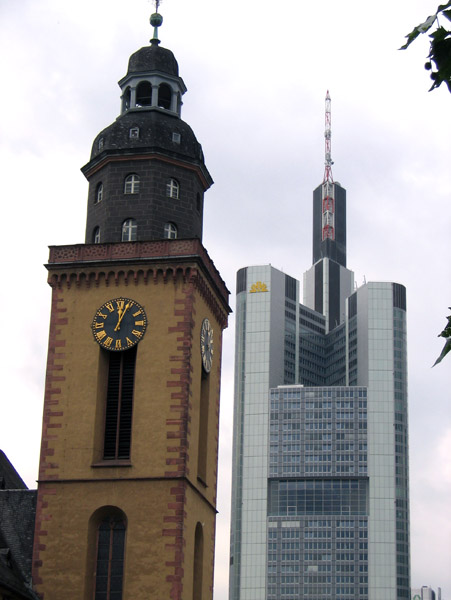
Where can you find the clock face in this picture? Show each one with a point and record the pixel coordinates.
(206, 345)
(119, 324)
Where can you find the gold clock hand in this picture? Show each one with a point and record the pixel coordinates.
(121, 316)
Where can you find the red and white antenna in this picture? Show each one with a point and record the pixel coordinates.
(328, 162)
(328, 208)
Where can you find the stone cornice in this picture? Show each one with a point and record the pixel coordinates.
(108, 156)
(165, 260)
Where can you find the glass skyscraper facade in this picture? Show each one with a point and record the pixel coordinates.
(320, 504)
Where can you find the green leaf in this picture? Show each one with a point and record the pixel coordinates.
(410, 38)
(427, 24)
(442, 7)
(419, 29)
(444, 352)
(439, 34)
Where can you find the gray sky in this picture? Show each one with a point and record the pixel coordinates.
(257, 74)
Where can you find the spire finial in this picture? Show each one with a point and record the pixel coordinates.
(328, 162)
(156, 20)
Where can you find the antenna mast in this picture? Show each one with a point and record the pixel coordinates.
(328, 162)
(328, 208)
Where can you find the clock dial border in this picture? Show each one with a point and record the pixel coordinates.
(115, 314)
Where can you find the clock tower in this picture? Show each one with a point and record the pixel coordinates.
(128, 470)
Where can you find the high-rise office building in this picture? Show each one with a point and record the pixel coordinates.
(425, 593)
(320, 504)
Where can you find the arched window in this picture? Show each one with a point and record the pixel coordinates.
(173, 189)
(144, 94)
(179, 103)
(129, 230)
(126, 99)
(96, 235)
(198, 202)
(198, 562)
(109, 572)
(164, 96)
(131, 184)
(99, 193)
(170, 231)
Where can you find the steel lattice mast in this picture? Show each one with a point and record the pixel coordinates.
(328, 216)
(328, 162)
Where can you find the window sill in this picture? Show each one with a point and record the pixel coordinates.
(112, 463)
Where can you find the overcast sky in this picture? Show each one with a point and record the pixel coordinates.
(257, 74)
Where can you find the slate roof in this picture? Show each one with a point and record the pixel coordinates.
(155, 131)
(9, 477)
(153, 58)
(17, 516)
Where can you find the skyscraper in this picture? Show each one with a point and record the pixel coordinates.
(320, 504)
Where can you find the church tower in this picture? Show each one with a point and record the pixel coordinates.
(128, 470)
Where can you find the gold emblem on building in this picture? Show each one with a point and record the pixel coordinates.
(258, 287)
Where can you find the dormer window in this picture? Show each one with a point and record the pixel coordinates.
(100, 143)
(131, 184)
(172, 189)
(134, 133)
(176, 137)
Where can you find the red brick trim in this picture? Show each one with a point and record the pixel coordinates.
(51, 424)
(40, 534)
(178, 428)
(159, 251)
(52, 417)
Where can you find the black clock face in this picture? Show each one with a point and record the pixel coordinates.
(206, 345)
(119, 324)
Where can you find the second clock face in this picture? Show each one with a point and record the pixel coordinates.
(206, 345)
(119, 324)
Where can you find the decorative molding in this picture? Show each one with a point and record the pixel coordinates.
(90, 263)
(98, 162)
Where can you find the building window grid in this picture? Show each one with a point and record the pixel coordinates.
(357, 524)
(401, 450)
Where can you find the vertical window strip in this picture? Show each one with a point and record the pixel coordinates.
(119, 405)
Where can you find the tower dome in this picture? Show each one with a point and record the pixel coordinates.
(153, 58)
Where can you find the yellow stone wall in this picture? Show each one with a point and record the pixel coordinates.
(159, 491)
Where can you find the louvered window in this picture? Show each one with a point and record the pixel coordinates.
(110, 559)
(119, 405)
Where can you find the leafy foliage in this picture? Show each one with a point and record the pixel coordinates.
(439, 57)
(446, 333)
